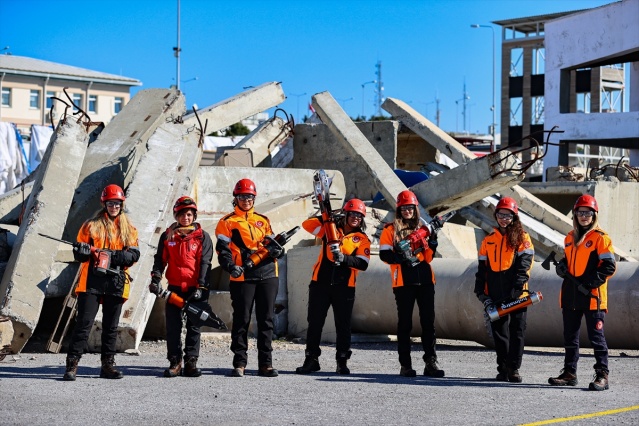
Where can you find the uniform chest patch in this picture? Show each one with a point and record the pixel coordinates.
(588, 244)
(527, 244)
(356, 239)
(367, 252)
(193, 246)
(171, 243)
(259, 223)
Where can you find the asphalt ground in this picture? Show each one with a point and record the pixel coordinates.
(32, 392)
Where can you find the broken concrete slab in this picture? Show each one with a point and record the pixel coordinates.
(164, 173)
(239, 107)
(264, 139)
(25, 280)
(11, 203)
(113, 157)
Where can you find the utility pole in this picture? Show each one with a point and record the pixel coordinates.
(380, 88)
(177, 49)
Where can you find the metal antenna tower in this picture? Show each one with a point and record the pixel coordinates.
(379, 90)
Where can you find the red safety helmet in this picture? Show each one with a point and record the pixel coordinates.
(586, 201)
(355, 205)
(184, 202)
(244, 186)
(112, 192)
(508, 204)
(405, 198)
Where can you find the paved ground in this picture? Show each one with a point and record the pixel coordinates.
(33, 394)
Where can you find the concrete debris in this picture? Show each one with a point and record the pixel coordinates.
(265, 139)
(12, 203)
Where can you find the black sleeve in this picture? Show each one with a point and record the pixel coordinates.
(205, 261)
(355, 262)
(224, 255)
(158, 263)
(522, 268)
(126, 257)
(480, 278)
(390, 257)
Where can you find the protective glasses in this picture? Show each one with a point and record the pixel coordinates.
(588, 213)
(504, 216)
(407, 208)
(114, 204)
(356, 215)
(245, 197)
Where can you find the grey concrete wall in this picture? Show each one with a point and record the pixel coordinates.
(317, 148)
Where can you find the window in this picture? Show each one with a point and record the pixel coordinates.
(34, 99)
(6, 97)
(117, 105)
(93, 103)
(77, 99)
(49, 100)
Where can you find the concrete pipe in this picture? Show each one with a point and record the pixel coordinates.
(459, 315)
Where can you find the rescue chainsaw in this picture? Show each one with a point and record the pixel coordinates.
(508, 307)
(101, 257)
(417, 241)
(321, 185)
(200, 313)
(270, 243)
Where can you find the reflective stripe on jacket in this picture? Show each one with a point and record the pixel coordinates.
(501, 270)
(239, 234)
(357, 252)
(592, 262)
(402, 274)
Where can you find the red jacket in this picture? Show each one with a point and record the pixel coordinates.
(187, 258)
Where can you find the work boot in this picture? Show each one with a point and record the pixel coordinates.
(502, 374)
(407, 371)
(190, 367)
(513, 375)
(72, 368)
(432, 369)
(237, 372)
(311, 364)
(175, 367)
(566, 378)
(267, 371)
(600, 381)
(108, 370)
(342, 368)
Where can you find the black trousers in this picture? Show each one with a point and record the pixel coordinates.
(508, 334)
(88, 305)
(405, 298)
(245, 295)
(595, 328)
(320, 298)
(174, 322)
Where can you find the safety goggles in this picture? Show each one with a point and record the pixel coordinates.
(407, 208)
(588, 213)
(245, 197)
(504, 216)
(356, 215)
(113, 204)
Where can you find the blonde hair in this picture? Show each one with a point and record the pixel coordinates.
(579, 236)
(107, 229)
(404, 227)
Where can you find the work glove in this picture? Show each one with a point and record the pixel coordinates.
(561, 268)
(338, 257)
(155, 287)
(236, 271)
(275, 251)
(83, 249)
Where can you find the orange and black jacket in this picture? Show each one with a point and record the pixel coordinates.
(592, 263)
(188, 257)
(112, 284)
(401, 273)
(503, 273)
(239, 234)
(357, 253)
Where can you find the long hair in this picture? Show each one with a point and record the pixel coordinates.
(580, 231)
(404, 227)
(514, 233)
(107, 229)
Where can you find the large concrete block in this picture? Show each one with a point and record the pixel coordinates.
(114, 156)
(316, 147)
(239, 107)
(25, 280)
(11, 203)
(264, 140)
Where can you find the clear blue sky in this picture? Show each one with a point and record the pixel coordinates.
(427, 48)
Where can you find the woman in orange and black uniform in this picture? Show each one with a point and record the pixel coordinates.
(589, 263)
(505, 260)
(411, 284)
(109, 229)
(240, 234)
(333, 284)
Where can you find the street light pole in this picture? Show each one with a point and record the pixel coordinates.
(494, 124)
(364, 85)
(298, 102)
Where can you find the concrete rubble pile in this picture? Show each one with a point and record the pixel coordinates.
(152, 150)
